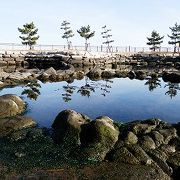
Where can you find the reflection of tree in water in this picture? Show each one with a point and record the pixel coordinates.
(69, 90)
(172, 89)
(87, 89)
(153, 82)
(105, 87)
(32, 90)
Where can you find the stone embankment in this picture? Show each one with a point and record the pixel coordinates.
(80, 59)
(12, 59)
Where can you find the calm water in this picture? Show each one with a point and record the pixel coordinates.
(121, 99)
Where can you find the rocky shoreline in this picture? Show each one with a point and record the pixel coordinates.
(76, 146)
(149, 149)
(19, 68)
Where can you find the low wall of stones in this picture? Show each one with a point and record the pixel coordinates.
(12, 59)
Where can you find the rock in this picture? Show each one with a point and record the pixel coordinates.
(160, 158)
(140, 154)
(10, 125)
(20, 103)
(67, 127)
(140, 75)
(142, 127)
(147, 142)
(168, 134)
(101, 136)
(131, 75)
(175, 159)
(173, 77)
(119, 74)
(19, 76)
(11, 63)
(11, 105)
(131, 138)
(107, 74)
(157, 137)
(95, 73)
(168, 149)
(124, 156)
(50, 71)
(1, 84)
(33, 133)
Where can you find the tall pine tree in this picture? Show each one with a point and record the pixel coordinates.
(155, 40)
(107, 36)
(68, 33)
(175, 36)
(85, 32)
(30, 34)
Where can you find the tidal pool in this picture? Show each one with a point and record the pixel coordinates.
(121, 99)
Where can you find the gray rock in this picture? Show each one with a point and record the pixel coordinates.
(50, 71)
(124, 156)
(175, 159)
(95, 73)
(140, 154)
(168, 134)
(158, 138)
(67, 127)
(131, 138)
(147, 142)
(11, 105)
(12, 124)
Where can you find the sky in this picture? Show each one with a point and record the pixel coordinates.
(131, 21)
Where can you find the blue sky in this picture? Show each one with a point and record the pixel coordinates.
(131, 21)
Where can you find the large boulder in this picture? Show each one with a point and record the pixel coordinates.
(9, 125)
(99, 138)
(11, 105)
(67, 127)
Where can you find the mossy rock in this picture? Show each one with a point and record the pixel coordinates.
(67, 127)
(103, 136)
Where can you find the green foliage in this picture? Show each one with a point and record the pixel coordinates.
(175, 35)
(30, 34)
(68, 33)
(85, 32)
(155, 40)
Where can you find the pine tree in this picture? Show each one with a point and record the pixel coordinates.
(155, 40)
(106, 36)
(68, 33)
(175, 36)
(86, 33)
(29, 31)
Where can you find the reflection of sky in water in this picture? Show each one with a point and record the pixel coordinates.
(128, 100)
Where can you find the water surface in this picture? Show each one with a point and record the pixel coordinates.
(121, 99)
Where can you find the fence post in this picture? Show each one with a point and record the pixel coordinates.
(101, 48)
(116, 49)
(97, 49)
(129, 49)
(135, 49)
